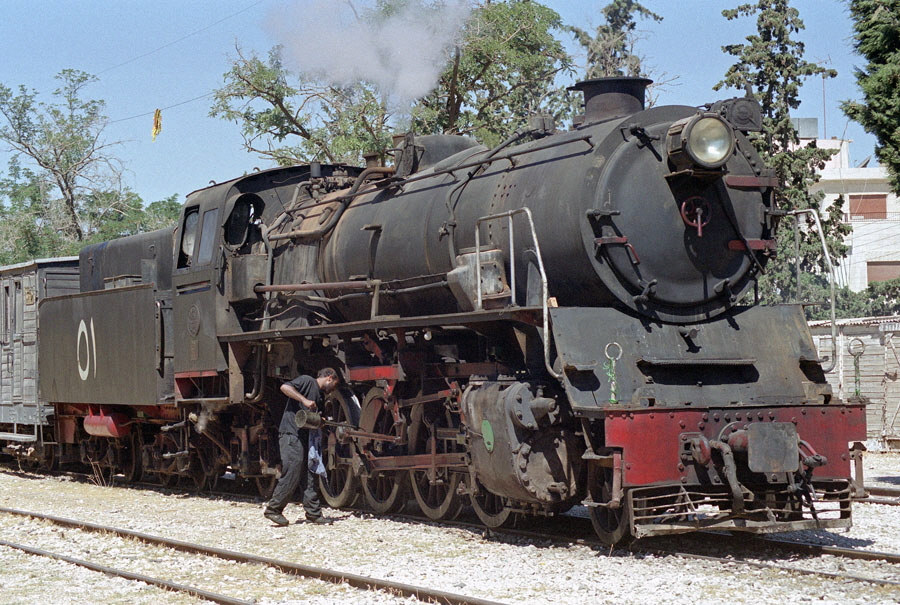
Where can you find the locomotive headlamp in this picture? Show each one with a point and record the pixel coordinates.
(704, 141)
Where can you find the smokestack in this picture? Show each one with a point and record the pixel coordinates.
(607, 98)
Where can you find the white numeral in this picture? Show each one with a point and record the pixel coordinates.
(90, 347)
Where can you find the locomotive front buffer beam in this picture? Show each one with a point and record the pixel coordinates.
(757, 470)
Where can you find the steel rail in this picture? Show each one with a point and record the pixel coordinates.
(120, 573)
(884, 501)
(636, 547)
(890, 492)
(770, 566)
(838, 551)
(288, 567)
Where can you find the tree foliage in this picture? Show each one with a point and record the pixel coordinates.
(63, 186)
(301, 121)
(501, 72)
(610, 51)
(877, 39)
(879, 299)
(771, 63)
(64, 140)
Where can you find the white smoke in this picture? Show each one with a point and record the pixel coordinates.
(336, 41)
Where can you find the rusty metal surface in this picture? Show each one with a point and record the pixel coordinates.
(651, 440)
(772, 447)
(673, 509)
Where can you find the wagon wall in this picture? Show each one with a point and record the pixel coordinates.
(22, 287)
(868, 365)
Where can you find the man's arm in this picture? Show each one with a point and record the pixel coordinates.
(289, 390)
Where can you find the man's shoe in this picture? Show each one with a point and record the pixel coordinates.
(276, 518)
(317, 520)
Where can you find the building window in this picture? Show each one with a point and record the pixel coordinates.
(867, 206)
(882, 270)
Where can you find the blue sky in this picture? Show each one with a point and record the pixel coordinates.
(167, 53)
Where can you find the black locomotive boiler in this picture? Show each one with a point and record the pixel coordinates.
(565, 319)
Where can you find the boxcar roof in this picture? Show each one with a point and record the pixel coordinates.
(38, 262)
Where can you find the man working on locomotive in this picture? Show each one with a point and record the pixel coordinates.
(293, 444)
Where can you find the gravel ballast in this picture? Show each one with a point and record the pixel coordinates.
(459, 560)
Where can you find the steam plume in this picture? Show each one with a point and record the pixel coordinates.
(402, 54)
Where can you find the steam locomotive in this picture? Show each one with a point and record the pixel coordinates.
(565, 319)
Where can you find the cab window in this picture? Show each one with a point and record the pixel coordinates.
(208, 236)
(188, 237)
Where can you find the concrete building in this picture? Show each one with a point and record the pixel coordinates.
(869, 206)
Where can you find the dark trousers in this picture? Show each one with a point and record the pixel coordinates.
(293, 474)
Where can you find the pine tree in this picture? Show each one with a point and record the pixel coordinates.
(877, 27)
(610, 52)
(772, 64)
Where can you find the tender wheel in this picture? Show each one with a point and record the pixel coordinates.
(612, 525)
(340, 486)
(490, 508)
(384, 491)
(435, 490)
(130, 465)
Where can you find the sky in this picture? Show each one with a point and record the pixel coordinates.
(171, 54)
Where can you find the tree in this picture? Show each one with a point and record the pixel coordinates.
(331, 123)
(501, 72)
(26, 230)
(879, 299)
(63, 187)
(610, 52)
(771, 62)
(877, 27)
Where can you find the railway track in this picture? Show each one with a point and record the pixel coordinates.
(572, 529)
(423, 594)
(873, 568)
(881, 495)
(120, 573)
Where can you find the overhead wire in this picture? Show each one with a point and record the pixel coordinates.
(167, 45)
(150, 113)
(185, 37)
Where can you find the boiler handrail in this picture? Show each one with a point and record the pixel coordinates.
(512, 270)
(811, 211)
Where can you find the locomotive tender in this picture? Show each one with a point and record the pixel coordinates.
(557, 321)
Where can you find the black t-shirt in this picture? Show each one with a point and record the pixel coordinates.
(309, 388)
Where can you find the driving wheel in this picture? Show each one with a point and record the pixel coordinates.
(435, 489)
(490, 508)
(340, 485)
(385, 491)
